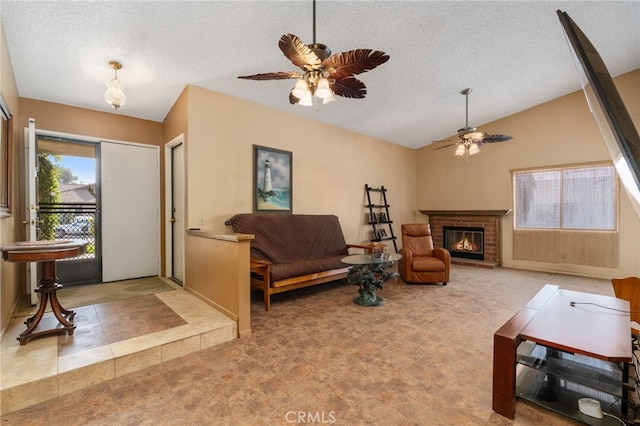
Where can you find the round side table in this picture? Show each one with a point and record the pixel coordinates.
(45, 253)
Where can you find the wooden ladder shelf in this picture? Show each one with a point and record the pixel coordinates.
(379, 217)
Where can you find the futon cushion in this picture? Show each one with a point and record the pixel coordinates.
(288, 238)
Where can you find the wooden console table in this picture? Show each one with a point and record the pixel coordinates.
(551, 321)
(46, 253)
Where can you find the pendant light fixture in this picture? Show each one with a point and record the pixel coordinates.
(114, 95)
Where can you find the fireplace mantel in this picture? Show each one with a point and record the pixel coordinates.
(489, 213)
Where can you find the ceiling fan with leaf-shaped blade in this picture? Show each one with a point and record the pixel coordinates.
(323, 75)
(469, 138)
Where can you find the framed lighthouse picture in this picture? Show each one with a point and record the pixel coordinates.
(272, 180)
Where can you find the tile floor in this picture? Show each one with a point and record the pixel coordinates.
(422, 358)
(110, 340)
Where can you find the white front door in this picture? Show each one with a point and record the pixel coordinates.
(130, 211)
(31, 208)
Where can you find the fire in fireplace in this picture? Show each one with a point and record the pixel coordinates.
(463, 241)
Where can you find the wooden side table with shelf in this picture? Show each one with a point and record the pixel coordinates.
(45, 253)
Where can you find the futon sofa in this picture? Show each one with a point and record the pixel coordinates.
(292, 251)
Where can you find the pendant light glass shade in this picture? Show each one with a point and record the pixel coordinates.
(301, 89)
(323, 91)
(306, 100)
(329, 99)
(114, 95)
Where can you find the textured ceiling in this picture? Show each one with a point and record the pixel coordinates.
(512, 53)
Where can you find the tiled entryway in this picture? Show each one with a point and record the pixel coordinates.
(111, 340)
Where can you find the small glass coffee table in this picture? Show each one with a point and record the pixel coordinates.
(368, 273)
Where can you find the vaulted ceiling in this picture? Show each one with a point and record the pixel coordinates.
(512, 53)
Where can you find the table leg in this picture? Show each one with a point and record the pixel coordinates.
(32, 322)
(505, 345)
(369, 278)
(64, 316)
(504, 375)
(48, 288)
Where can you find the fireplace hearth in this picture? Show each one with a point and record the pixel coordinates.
(464, 241)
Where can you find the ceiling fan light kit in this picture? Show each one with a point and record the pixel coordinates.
(469, 138)
(467, 148)
(114, 95)
(323, 91)
(324, 76)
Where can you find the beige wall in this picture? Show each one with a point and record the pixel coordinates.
(559, 132)
(9, 226)
(330, 165)
(175, 123)
(80, 121)
(217, 273)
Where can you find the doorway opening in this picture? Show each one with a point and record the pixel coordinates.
(69, 203)
(175, 208)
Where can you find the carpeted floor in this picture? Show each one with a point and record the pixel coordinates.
(73, 297)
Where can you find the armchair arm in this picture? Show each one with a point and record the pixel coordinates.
(261, 267)
(259, 261)
(444, 255)
(356, 246)
(405, 262)
(367, 248)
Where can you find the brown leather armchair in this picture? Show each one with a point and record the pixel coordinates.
(420, 262)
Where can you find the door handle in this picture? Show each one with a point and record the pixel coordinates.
(173, 219)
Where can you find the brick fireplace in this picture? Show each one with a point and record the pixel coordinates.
(488, 220)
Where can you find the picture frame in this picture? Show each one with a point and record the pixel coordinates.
(272, 180)
(6, 133)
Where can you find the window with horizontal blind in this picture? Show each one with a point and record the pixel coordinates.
(575, 198)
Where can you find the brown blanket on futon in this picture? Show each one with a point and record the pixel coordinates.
(294, 244)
